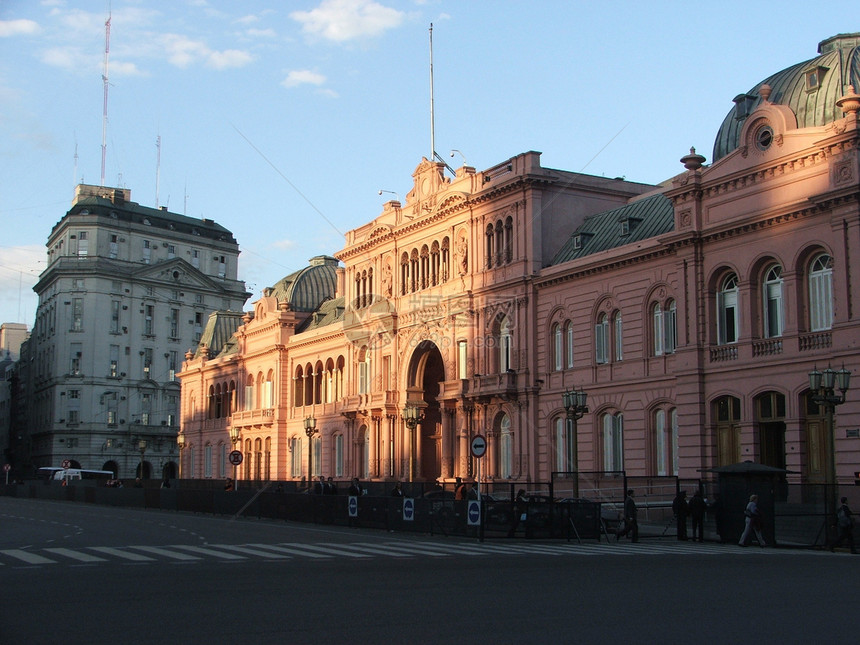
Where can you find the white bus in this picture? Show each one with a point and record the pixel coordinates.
(68, 475)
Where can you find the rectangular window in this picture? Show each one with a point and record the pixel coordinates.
(172, 362)
(570, 345)
(198, 326)
(146, 408)
(195, 259)
(83, 244)
(207, 461)
(75, 359)
(601, 341)
(171, 251)
(147, 362)
(114, 247)
(619, 339)
(462, 359)
(77, 314)
(338, 455)
(174, 323)
(222, 461)
(670, 337)
(148, 313)
(249, 397)
(114, 316)
(558, 347)
(113, 366)
(147, 252)
(222, 266)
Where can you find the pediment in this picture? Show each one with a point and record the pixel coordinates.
(176, 271)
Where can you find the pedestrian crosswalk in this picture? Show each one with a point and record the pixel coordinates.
(398, 549)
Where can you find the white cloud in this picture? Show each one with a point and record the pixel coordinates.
(228, 58)
(344, 20)
(18, 28)
(303, 77)
(261, 33)
(183, 52)
(283, 244)
(247, 20)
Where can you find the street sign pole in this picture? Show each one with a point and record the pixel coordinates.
(478, 448)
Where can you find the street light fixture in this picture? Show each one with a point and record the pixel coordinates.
(310, 431)
(412, 416)
(141, 446)
(180, 443)
(575, 405)
(823, 386)
(234, 437)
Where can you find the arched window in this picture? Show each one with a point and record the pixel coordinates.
(445, 259)
(328, 384)
(414, 272)
(268, 392)
(565, 445)
(613, 442)
(491, 246)
(601, 339)
(506, 446)
(505, 344)
(727, 311)
(364, 371)
(772, 302)
(665, 442)
(619, 337)
(821, 293)
(404, 273)
(557, 347)
(309, 384)
(249, 392)
(317, 441)
(295, 448)
(569, 334)
(298, 387)
(318, 382)
(509, 240)
(665, 335)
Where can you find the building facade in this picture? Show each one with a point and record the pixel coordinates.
(691, 314)
(127, 290)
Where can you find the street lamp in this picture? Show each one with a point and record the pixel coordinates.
(412, 416)
(823, 386)
(180, 443)
(141, 445)
(310, 431)
(575, 405)
(234, 437)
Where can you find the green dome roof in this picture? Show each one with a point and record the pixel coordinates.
(306, 289)
(810, 89)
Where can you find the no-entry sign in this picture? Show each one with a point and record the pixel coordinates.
(235, 457)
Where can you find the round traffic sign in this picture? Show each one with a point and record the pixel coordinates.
(408, 509)
(478, 446)
(7, 468)
(66, 463)
(235, 457)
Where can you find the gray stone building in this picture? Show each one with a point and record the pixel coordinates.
(127, 291)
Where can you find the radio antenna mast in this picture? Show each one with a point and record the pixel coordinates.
(105, 111)
(157, 167)
(432, 118)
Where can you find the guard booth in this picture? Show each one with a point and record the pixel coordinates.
(736, 483)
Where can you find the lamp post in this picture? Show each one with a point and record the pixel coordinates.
(575, 405)
(180, 443)
(412, 416)
(234, 437)
(310, 431)
(823, 386)
(141, 446)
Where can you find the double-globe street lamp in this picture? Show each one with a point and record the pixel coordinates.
(412, 416)
(180, 443)
(575, 405)
(234, 437)
(823, 386)
(310, 431)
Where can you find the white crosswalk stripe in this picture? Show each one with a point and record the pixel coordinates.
(401, 549)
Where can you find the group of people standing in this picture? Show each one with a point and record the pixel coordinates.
(695, 509)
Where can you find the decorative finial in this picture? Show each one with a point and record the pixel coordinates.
(764, 92)
(850, 103)
(692, 161)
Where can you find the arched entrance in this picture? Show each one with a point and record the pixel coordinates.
(426, 372)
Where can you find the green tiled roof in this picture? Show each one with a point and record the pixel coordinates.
(838, 65)
(307, 288)
(329, 312)
(646, 217)
(217, 336)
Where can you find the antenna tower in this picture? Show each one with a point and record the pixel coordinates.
(432, 118)
(104, 112)
(157, 167)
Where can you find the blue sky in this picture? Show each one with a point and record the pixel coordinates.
(282, 120)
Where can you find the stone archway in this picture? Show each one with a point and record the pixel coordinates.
(426, 372)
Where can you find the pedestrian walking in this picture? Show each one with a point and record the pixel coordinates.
(753, 523)
(520, 514)
(844, 526)
(631, 519)
(681, 510)
(697, 508)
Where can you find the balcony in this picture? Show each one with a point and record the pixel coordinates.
(503, 385)
(249, 418)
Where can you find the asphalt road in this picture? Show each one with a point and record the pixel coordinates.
(77, 573)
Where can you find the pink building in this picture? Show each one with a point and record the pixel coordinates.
(690, 313)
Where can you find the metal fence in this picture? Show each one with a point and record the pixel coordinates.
(801, 515)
